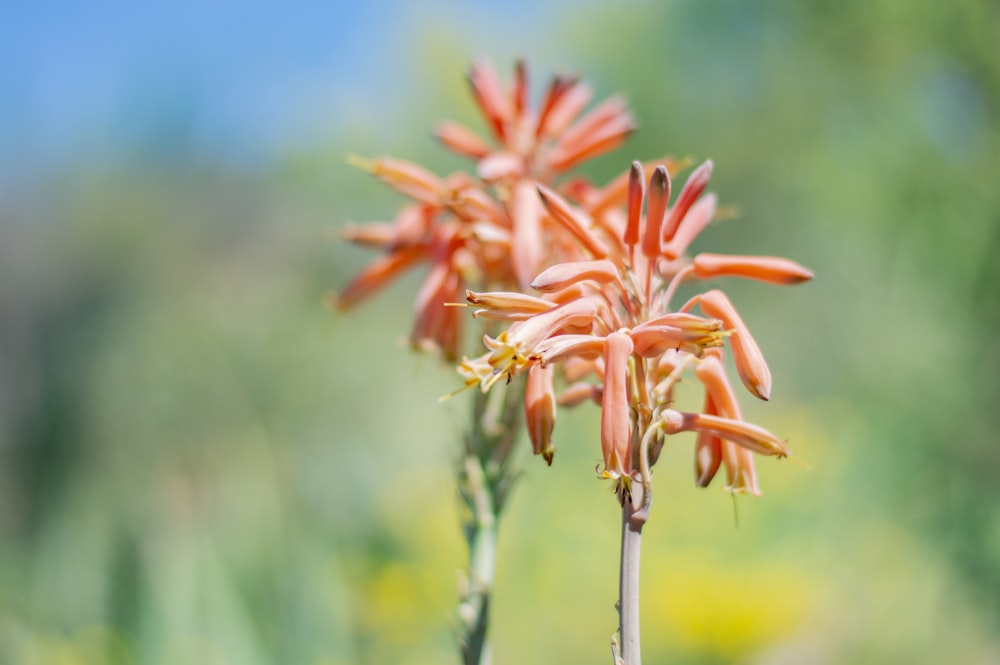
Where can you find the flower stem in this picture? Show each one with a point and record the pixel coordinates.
(485, 476)
(628, 585)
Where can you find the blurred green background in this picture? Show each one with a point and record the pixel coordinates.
(200, 463)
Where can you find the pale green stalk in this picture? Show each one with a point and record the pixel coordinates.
(485, 476)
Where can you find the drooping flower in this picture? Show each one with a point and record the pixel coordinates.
(609, 317)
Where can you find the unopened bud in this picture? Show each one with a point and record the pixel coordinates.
(771, 269)
(656, 208)
(750, 361)
(692, 189)
(561, 275)
(540, 410)
(615, 413)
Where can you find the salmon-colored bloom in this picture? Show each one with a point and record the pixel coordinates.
(562, 275)
(720, 400)
(750, 436)
(536, 143)
(540, 410)
(750, 361)
(615, 325)
(487, 229)
(771, 269)
(615, 412)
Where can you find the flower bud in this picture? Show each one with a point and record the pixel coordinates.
(749, 436)
(771, 269)
(506, 305)
(707, 452)
(527, 248)
(500, 166)
(540, 410)
(656, 207)
(561, 275)
(490, 98)
(407, 178)
(750, 361)
(636, 185)
(698, 217)
(615, 413)
(461, 140)
(692, 189)
(602, 129)
(376, 275)
(564, 215)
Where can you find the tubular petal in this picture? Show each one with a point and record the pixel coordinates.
(540, 410)
(656, 208)
(615, 414)
(519, 93)
(712, 374)
(409, 179)
(693, 188)
(612, 112)
(372, 234)
(750, 436)
(567, 102)
(527, 249)
(561, 275)
(376, 275)
(615, 193)
(490, 97)
(741, 476)
(698, 217)
(770, 269)
(509, 301)
(556, 348)
(750, 361)
(612, 133)
(636, 187)
(707, 452)
(461, 140)
(562, 213)
(500, 166)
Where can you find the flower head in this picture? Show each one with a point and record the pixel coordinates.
(608, 317)
(535, 143)
(491, 229)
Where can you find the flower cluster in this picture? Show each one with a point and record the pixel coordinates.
(605, 320)
(488, 230)
(605, 271)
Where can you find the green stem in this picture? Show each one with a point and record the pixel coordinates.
(485, 476)
(474, 609)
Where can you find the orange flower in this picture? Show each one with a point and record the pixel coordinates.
(750, 436)
(615, 414)
(536, 143)
(614, 324)
(540, 410)
(771, 269)
(490, 228)
(750, 361)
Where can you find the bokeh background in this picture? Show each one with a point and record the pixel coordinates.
(201, 463)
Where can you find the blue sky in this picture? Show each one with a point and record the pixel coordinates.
(242, 79)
